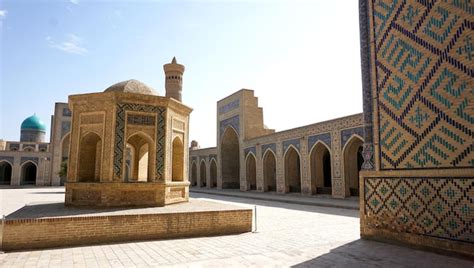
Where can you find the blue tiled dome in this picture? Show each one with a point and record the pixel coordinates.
(33, 122)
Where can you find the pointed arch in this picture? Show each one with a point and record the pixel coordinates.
(269, 171)
(292, 166)
(90, 157)
(320, 167)
(230, 159)
(203, 173)
(177, 160)
(352, 153)
(251, 171)
(5, 172)
(213, 173)
(194, 174)
(142, 153)
(29, 172)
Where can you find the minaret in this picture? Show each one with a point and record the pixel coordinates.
(174, 79)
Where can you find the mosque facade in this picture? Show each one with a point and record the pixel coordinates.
(321, 158)
(32, 161)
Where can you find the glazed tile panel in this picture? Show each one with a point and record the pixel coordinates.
(437, 207)
(424, 54)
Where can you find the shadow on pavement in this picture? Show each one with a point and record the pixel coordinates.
(58, 209)
(367, 253)
(255, 202)
(47, 192)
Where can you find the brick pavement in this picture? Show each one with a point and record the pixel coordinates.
(287, 235)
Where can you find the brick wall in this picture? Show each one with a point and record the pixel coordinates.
(23, 234)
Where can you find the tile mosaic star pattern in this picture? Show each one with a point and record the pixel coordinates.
(424, 73)
(439, 207)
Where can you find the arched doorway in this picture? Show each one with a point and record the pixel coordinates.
(269, 171)
(320, 163)
(5, 173)
(90, 156)
(213, 174)
(203, 173)
(194, 174)
(292, 170)
(141, 166)
(177, 160)
(230, 155)
(251, 167)
(352, 164)
(28, 173)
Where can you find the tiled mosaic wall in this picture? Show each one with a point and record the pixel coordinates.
(438, 207)
(424, 54)
(417, 58)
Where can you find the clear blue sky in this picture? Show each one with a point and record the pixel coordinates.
(301, 57)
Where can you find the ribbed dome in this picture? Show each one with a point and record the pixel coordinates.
(33, 122)
(132, 86)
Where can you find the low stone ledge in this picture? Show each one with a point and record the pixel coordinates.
(82, 227)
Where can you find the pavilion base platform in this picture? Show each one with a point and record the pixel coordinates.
(50, 225)
(129, 194)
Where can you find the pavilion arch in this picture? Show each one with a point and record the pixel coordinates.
(5, 172)
(29, 172)
(320, 167)
(352, 153)
(177, 173)
(90, 157)
(269, 171)
(251, 171)
(230, 157)
(213, 173)
(194, 174)
(292, 166)
(203, 173)
(142, 153)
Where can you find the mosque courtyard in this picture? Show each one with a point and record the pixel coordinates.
(287, 235)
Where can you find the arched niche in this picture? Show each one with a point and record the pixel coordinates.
(230, 155)
(29, 173)
(251, 171)
(292, 170)
(320, 165)
(5, 172)
(213, 173)
(90, 157)
(352, 164)
(177, 161)
(269, 171)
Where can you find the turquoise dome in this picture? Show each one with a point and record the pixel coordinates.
(33, 122)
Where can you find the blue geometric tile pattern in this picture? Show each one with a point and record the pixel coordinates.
(424, 52)
(250, 149)
(325, 137)
(232, 121)
(437, 207)
(346, 134)
(294, 142)
(271, 146)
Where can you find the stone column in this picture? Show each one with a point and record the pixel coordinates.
(259, 167)
(280, 171)
(305, 178)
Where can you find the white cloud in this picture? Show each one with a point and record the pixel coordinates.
(3, 13)
(71, 45)
(75, 2)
